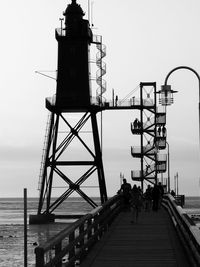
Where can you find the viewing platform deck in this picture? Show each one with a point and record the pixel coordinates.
(152, 241)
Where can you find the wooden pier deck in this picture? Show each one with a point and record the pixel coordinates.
(151, 242)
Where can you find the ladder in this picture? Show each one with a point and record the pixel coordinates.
(44, 150)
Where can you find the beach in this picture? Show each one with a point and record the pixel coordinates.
(12, 229)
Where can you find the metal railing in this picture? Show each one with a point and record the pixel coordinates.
(73, 244)
(180, 200)
(51, 101)
(161, 158)
(138, 174)
(160, 142)
(149, 148)
(161, 118)
(187, 230)
(96, 39)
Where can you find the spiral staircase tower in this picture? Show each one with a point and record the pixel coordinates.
(152, 141)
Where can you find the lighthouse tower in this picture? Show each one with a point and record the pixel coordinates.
(73, 97)
(73, 89)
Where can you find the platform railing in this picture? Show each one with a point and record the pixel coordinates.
(72, 244)
(187, 231)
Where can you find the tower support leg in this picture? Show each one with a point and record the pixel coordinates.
(99, 162)
(56, 149)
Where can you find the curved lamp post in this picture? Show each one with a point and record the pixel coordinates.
(166, 93)
(166, 99)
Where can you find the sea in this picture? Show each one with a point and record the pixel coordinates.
(12, 226)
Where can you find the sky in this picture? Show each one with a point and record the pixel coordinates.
(144, 41)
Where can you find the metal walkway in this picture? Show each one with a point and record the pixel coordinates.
(151, 242)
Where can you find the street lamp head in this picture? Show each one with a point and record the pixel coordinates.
(166, 95)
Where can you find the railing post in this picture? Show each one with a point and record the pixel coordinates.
(72, 250)
(101, 222)
(95, 228)
(39, 257)
(89, 223)
(58, 248)
(82, 241)
(89, 234)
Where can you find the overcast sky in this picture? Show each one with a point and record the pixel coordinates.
(144, 39)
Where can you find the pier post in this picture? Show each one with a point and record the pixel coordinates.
(25, 227)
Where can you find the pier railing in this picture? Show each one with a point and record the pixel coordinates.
(180, 200)
(71, 245)
(188, 232)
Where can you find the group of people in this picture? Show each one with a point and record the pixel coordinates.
(137, 124)
(135, 199)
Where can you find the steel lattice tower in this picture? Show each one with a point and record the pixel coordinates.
(73, 96)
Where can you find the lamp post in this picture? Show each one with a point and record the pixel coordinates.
(166, 93)
(166, 99)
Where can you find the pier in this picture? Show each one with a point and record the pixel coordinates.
(106, 237)
(150, 242)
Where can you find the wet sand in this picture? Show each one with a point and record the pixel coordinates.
(12, 242)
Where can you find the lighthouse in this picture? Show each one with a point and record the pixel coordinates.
(73, 97)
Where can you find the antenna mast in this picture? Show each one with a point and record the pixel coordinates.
(89, 10)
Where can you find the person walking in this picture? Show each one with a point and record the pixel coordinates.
(148, 198)
(161, 189)
(136, 203)
(125, 190)
(173, 193)
(155, 197)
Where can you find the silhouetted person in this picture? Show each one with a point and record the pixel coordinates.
(136, 203)
(125, 189)
(159, 130)
(155, 197)
(163, 131)
(173, 193)
(139, 124)
(148, 198)
(116, 100)
(135, 124)
(140, 190)
(160, 186)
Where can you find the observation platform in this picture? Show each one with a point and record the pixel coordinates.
(152, 241)
(71, 106)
